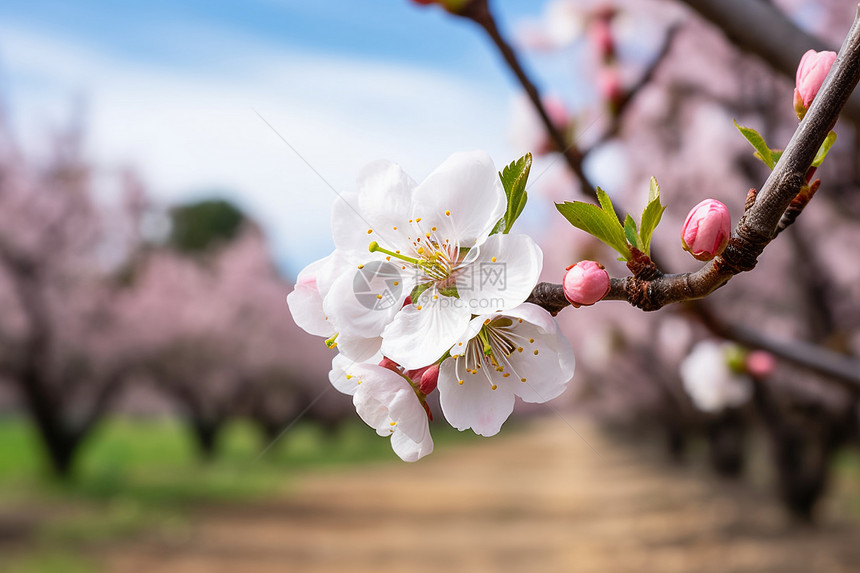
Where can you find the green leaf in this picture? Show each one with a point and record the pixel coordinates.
(650, 217)
(776, 154)
(757, 141)
(631, 233)
(514, 178)
(601, 223)
(824, 149)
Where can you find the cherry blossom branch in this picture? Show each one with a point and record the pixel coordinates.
(631, 93)
(760, 28)
(479, 12)
(759, 225)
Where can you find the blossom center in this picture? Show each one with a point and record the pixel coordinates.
(493, 349)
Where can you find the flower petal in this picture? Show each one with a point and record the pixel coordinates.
(547, 364)
(409, 450)
(361, 302)
(465, 193)
(385, 202)
(346, 374)
(421, 333)
(306, 300)
(357, 348)
(502, 275)
(473, 404)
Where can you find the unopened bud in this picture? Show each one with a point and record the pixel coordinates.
(585, 283)
(707, 229)
(609, 86)
(429, 379)
(600, 34)
(761, 364)
(813, 68)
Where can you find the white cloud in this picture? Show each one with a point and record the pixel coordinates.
(189, 130)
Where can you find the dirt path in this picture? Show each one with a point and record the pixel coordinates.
(538, 500)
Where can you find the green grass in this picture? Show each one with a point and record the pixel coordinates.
(50, 562)
(135, 475)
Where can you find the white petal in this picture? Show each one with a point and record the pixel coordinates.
(535, 315)
(357, 348)
(361, 302)
(709, 381)
(346, 373)
(306, 306)
(547, 372)
(468, 187)
(372, 398)
(387, 402)
(502, 275)
(418, 338)
(385, 202)
(407, 411)
(473, 404)
(469, 333)
(305, 301)
(409, 450)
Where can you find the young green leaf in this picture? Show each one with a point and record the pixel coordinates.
(824, 149)
(514, 178)
(650, 217)
(631, 233)
(762, 151)
(606, 203)
(601, 223)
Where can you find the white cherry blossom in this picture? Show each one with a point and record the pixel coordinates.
(709, 379)
(306, 303)
(387, 402)
(520, 352)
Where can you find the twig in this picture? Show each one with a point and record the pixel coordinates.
(760, 28)
(631, 93)
(759, 224)
(479, 12)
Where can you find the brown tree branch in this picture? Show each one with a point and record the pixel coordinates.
(631, 93)
(479, 12)
(754, 231)
(760, 28)
(759, 224)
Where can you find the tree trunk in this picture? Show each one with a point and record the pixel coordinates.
(59, 441)
(726, 440)
(205, 432)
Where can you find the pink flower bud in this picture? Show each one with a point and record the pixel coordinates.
(600, 34)
(813, 68)
(429, 379)
(585, 283)
(706, 230)
(609, 85)
(760, 364)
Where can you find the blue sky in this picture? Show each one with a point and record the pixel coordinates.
(173, 90)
